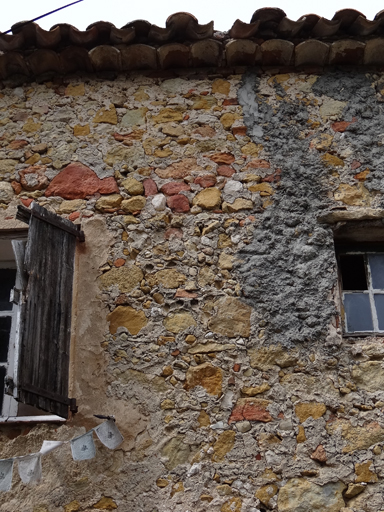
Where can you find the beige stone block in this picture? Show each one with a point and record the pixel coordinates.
(221, 86)
(134, 204)
(226, 261)
(301, 494)
(31, 127)
(7, 166)
(265, 358)
(353, 490)
(305, 410)
(232, 318)
(81, 130)
(72, 205)
(369, 376)
(239, 204)
(206, 375)
(108, 202)
(105, 115)
(223, 445)
(203, 419)
(179, 322)
(75, 90)
(331, 108)
(126, 278)
(209, 198)
(176, 451)
(265, 493)
(125, 316)
(169, 278)
(364, 474)
(255, 390)
(167, 115)
(353, 195)
(105, 504)
(228, 119)
(133, 187)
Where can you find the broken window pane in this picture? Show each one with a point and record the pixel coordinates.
(376, 263)
(7, 280)
(379, 303)
(358, 312)
(352, 267)
(5, 330)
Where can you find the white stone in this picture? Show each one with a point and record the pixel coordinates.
(6, 192)
(159, 202)
(233, 187)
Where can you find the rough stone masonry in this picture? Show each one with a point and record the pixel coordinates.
(206, 311)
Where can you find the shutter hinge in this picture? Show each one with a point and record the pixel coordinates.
(9, 385)
(15, 295)
(72, 405)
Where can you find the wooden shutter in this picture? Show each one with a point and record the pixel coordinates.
(42, 376)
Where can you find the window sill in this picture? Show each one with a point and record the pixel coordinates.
(51, 418)
(363, 334)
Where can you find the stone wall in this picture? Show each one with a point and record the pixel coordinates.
(206, 311)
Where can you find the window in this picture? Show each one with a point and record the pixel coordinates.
(35, 327)
(362, 282)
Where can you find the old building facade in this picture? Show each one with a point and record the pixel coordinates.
(218, 179)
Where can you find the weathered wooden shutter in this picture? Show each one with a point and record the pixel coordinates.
(42, 376)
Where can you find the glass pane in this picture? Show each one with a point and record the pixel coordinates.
(7, 282)
(358, 312)
(5, 329)
(379, 303)
(353, 274)
(2, 377)
(376, 263)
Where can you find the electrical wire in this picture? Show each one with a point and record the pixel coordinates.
(44, 15)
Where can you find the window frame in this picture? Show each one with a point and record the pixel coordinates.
(10, 407)
(364, 249)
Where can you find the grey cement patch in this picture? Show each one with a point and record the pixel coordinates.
(289, 268)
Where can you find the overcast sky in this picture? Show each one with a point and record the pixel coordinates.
(120, 12)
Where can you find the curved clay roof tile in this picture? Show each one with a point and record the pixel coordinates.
(44, 61)
(363, 27)
(138, 56)
(141, 27)
(173, 55)
(122, 36)
(289, 28)
(13, 64)
(242, 52)
(326, 28)
(311, 53)
(75, 58)
(48, 38)
(267, 14)
(105, 58)
(83, 38)
(241, 30)
(347, 17)
(9, 42)
(206, 53)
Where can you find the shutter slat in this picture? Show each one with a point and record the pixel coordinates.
(44, 352)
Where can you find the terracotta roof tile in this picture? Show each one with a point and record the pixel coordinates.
(269, 39)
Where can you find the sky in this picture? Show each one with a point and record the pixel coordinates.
(118, 12)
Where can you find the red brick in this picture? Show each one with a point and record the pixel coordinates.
(26, 202)
(39, 182)
(258, 456)
(249, 411)
(206, 181)
(174, 187)
(225, 170)
(173, 233)
(183, 294)
(150, 187)
(319, 454)
(178, 203)
(355, 165)
(274, 177)
(77, 181)
(257, 164)
(175, 353)
(239, 130)
(341, 126)
(17, 188)
(230, 101)
(18, 144)
(204, 131)
(222, 158)
(236, 367)
(119, 262)
(73, 216)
